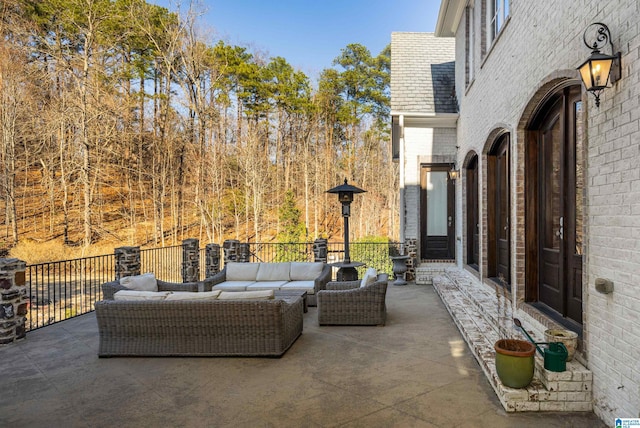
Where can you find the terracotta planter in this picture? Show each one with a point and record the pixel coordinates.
(515, 362)
(567, 337)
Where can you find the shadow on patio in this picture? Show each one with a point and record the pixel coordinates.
(415, 371)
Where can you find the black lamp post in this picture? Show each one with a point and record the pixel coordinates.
(347, 269)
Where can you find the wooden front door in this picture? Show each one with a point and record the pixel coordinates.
(437, 211)
(498, 211)
(473, 219)
(560, 205)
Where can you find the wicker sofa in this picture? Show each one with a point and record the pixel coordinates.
(350, 303)
(197, 328)
(307, 276)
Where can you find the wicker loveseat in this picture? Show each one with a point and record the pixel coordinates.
(308, 276)
(197, 328)
(349, 303)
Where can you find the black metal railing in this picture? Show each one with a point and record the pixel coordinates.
(164, 262)
(65, 289)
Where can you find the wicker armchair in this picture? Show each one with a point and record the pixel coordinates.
(346, 303)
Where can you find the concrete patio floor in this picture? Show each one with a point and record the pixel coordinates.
(415, 372)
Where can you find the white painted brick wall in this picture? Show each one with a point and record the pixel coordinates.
(542, 38)
(421, 143)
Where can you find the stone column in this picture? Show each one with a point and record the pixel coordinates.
(212, 260)
(230, 247)
(244, 253)
(13, 300)
(127, 261)
(190, 260)
(320, 250)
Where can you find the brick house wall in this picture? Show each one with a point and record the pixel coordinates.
(539, 46)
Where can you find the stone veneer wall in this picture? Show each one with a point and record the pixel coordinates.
(230, 248)
(320, 250)
(212, 259)
(13, 300)
(127, 261)
(190, 260)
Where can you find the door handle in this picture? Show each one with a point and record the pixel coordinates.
(560, 232)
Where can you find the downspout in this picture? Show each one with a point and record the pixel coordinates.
(403, 210)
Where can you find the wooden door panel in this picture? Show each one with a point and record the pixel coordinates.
(558, 208)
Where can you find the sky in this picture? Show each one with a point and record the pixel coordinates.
(310, 34)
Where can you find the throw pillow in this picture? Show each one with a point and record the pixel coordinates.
(144, 282)
(193, 296)
(246, 295)
(369, 277)
(242, 271)
(305, 271)
(136, 295)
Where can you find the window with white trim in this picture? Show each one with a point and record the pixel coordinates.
(470, 45)
(498, 12)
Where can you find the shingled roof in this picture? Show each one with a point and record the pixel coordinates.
(422, 73)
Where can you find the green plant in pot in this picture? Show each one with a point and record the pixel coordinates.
(515, 358)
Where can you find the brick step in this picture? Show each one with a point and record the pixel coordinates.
(475, 311)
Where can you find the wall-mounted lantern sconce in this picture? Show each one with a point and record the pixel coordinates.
(599, 69)
(454, 173)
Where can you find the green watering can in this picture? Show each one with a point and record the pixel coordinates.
(555, 354)
(555, 357)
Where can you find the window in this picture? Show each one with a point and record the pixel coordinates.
(498, 13)
(470, 43)
(395, 138)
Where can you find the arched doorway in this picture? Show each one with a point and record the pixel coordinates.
(498, 211)
(554, 204)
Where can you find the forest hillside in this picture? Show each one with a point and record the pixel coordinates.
(123, 123)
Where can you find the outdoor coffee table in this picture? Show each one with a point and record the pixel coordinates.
(293, 293)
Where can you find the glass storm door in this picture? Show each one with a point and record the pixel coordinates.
(437, 219)
(560, 204)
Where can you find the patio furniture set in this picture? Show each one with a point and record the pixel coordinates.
(247, 309)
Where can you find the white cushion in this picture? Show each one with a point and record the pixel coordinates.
(308, 286)
(369, 277)
(304, 271)
(233, 285)
(266, 285)
(192, 295)
(144, 282)
(246, 295)
(242, 271)
(274, 272)
(133, 295)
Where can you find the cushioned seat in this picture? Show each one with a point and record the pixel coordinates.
(266, 285)
(307, 286)
(233, 285)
